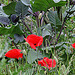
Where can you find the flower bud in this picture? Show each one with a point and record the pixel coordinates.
(24, 52)
(26, 43)
(56, 59)
(40, 16)
(45, 72)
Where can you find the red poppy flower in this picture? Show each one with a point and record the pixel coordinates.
(34, 40)
(73, 45)
(14, 53)
(47, 62)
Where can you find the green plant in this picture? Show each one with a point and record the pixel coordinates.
(18, 19)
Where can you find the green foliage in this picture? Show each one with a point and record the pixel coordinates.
(4, 45)
(63, 52)
(33, 55)
(44, 5)
(21, 9)
(46, 30)
(10, 8)
(72, 11)
(2, 65)
(2, 12)
(54, 20)
(29, 72)
(4, 20)
(18, 38)
(11, 30)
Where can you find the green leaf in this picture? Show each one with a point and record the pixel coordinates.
(21, 9)
(13, 30)
(10, 8)
(72, 11)
(18, 38)
(44, 5)
(44, 30)
(61, 44)
(54, 20)
(47, 30)
(2, 12)
(16, 30)
(32, 56)
(62, 69)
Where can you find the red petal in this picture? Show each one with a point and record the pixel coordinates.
(52, 63)
(73, 45)
(20, 56)
(41, 62)
(34, 40)
(47, 62)
(31, 44)
(14, 53)
(40, 41)
(26, 40)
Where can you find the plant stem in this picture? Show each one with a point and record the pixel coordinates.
(63, 24)
(52, 39)
(8, 1)
(26, 26)
(13, 43)
(25, 31)
(37, 21)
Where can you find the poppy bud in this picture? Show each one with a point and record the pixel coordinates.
(40, 16)
(24, 52)
(26, 43)
(14, 18)
(56, 59)
(45, 72)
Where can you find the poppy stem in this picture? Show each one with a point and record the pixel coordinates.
(8, 1)
(37, 21)
(26, 26)
(13, 42)
(67, 15)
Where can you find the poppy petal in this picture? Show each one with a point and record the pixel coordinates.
(73, 45)
(26, 40)
(52, 63)
(31, 44)
(40, 41)
(20, 56)
(41, 62)
(34, 40)
(47, 62)
(14, 53)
